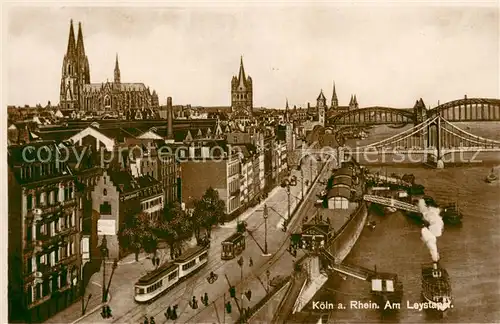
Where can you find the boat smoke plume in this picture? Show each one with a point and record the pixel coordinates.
(434, 230)
(431, 242)
(433, 217)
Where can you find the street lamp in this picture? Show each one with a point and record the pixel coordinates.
(104, 254)
(287, 183)
(241, 263)
(265, 230)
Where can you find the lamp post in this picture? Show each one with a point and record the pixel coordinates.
(265, 230)
(115, 265)
(241, 263)
(287, 183)
(104, 254)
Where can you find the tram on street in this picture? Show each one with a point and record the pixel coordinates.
(166, 276)
(233, 246)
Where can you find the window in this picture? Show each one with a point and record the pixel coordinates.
(29, 295)
(189, 265)
(203, 256)
(29, 199)
(172, 276)
(105, 208)
(104, 192)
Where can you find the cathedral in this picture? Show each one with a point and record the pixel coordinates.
(129, 99)
(242, 93)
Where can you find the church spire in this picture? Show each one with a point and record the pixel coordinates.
(71, 39)
(335, 101)
(117, 70)
(241, 77)
(287, 112)
(80, 48)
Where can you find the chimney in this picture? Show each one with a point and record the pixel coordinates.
(170, 130)
(435, 265)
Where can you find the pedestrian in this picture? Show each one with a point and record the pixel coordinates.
(206, 299)
(146, 320)
(157, 261)
(152, 320)
(168, 313)
(194, 306)
(251, 262)
(174, 312)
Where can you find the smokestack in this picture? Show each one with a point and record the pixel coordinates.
(170, 130)
(435, 265)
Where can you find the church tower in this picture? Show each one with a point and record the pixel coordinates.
(117, 70)
(321, 106)
(75, 72)
(335, 101)
(242, 92)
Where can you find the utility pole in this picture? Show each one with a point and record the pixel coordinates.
(302, 183)
(268, 273)
(265, 229)
(288, 194)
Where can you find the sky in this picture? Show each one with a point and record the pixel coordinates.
(386, 54)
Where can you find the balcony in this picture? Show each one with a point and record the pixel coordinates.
(69, 202)
(67, 260)
(40, 211)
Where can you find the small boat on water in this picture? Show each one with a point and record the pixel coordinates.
(451, 214)
(491, 177)
(436, 288)
(386, 287)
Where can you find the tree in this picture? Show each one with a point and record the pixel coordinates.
(138, 233)
(174, 228)
(208, 211)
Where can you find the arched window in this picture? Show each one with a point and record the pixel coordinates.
(104, 192)
(107, 101)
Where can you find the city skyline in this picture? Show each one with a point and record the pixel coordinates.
(386, 55)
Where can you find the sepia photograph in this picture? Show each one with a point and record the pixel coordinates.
(251, 162)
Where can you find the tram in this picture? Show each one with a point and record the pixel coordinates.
(233, 246)
(165, 277)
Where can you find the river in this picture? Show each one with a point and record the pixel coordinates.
(470, 253)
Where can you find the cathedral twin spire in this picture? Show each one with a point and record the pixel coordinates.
(79, 49)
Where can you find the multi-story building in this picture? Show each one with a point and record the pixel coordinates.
(117, 197)
(281, 161)
(85, 165)
(44, 233)
(134, 100)
(210, 164)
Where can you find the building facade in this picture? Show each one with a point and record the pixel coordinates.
(45, 262)
(118, 196)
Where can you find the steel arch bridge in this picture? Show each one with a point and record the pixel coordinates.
(373, 116)
(435, 137)
(468, 109)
